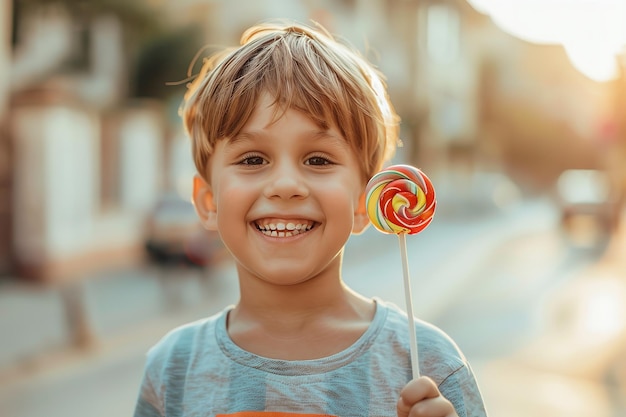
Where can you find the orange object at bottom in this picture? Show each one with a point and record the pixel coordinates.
(271, 414)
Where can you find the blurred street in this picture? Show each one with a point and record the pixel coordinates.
(499, 283)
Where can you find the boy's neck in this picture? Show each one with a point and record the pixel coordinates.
(294, 323)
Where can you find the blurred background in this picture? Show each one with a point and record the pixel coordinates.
(515, 109)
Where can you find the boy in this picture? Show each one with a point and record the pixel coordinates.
(286, 131)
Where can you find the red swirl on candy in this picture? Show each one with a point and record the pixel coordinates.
(400, 199)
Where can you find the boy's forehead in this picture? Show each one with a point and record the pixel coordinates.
(291, 121)
(269, 110)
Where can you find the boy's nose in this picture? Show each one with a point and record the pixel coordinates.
(286, 182)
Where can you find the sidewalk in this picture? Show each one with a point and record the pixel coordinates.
(127, 310)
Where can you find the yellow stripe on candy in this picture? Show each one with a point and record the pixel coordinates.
(421, 201)
(398, 202)
(372, 204)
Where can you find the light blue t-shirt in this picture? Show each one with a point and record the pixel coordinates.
(197, 370)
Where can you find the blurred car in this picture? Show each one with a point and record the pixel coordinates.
(175, 236)
(587, 202)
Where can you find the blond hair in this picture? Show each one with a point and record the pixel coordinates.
(302, 68)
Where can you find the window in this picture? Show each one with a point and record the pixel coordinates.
(442, 33)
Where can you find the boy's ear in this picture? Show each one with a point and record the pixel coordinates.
(203, 202)
(361, 219)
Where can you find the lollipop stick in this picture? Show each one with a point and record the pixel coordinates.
(409, 305)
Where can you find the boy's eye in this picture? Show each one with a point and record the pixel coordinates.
(317, 160)
(252, 160)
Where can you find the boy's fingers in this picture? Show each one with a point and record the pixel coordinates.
(419, 389)
(431, 407)
(421, 398)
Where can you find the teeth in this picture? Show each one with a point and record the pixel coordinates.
(284, 229)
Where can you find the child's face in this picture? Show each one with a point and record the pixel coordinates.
(285, 197)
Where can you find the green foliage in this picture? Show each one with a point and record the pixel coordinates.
(157, 54)
(163, 61)
(140, 22)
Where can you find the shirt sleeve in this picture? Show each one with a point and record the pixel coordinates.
(148, 401)
(162, 388)
(461, 389)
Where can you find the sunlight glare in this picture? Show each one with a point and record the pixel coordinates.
(592, 32)
(602, 311)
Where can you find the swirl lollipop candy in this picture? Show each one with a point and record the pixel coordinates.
(401, 200)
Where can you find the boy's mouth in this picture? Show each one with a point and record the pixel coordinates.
(283, 228)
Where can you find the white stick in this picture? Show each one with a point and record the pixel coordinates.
(409, 305)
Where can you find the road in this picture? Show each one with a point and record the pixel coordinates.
(536, 325)
(492, 283)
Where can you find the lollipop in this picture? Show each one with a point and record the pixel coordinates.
(401, 200)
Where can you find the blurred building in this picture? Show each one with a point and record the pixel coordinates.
(85, 151)
(88, 159)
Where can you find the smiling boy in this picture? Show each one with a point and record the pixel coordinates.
(286, 131)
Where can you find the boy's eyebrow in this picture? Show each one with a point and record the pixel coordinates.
(240, 137)
(332, 138)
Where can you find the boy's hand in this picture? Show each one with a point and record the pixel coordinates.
(421, 398)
